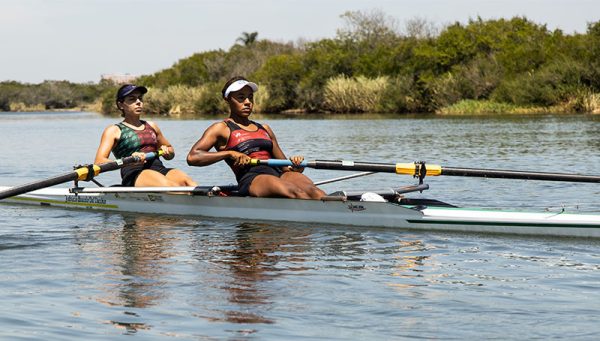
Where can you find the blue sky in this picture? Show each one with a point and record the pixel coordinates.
(79, 40)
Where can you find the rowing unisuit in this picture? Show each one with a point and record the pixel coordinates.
(132, 141)
(256, 144)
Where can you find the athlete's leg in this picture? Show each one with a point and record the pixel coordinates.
(152, 178)
(305, 183)
(181, 178)
(265, 185)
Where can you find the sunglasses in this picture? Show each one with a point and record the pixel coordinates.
(133, 99)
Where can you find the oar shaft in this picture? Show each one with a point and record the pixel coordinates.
(59, 179)
(398, 168)
(77, 174)
(335, 165)
(351, 165)
(509, 174)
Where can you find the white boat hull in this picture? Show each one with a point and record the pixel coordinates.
(352, 213)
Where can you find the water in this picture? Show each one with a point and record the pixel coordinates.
(71, 275)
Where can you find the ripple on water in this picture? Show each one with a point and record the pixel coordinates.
(79, 274)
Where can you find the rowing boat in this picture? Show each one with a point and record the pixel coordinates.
(385, 208)
(341, 208)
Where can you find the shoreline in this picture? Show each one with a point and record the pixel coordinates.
(522, 111)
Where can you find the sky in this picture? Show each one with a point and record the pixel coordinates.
(80, 40)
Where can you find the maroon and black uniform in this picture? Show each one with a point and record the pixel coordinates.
(257, 145)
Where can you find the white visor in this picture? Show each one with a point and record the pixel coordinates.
(238, 85)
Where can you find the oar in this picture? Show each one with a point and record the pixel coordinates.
(80, 174)
(422, 169)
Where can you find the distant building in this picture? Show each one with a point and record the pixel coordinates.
(118, 78)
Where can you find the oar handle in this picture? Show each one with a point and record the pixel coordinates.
(83, 172)
(277, 163)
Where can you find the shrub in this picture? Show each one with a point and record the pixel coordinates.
(549, 85)
(165, 101)
(20, 106)
(584, 101)
(210, 102)
(350, 95)
(475, 80)
(402, 96)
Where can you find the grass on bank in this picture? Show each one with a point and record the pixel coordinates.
(584, 102)
(486, 107)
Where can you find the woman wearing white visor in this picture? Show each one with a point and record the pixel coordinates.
(238, 139)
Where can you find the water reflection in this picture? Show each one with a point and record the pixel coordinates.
(405, 259)
(138, 256)
(253, 255)
(414, 263)
(146, 247)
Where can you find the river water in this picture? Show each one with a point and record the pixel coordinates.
(72, 275)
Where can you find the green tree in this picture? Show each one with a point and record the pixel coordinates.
(518, 44)
(247, 38)
(281, 75)
(593, 59)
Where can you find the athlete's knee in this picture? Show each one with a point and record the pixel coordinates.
(179, 178)
(190, 182)
(316, 193)
(295, 192)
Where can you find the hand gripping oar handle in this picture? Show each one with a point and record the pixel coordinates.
(79, 174)
(415, 169)
(112, 165)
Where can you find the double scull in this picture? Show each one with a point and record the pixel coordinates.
(340, 208)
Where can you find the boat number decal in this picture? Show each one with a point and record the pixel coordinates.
(85, 199)
(356, 208)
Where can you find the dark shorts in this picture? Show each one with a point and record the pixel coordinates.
(130, 174)
(246, 180)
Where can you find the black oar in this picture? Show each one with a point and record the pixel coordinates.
(80, 174)
(422, 169)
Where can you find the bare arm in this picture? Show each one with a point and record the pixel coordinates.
(278, 153)
(163, 143)
(109, 137)
(215, 137)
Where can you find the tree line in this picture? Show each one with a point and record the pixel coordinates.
(50, 95)
(372, 65)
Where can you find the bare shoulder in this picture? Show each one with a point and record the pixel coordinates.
(218, 128)
(153, 125)
(268, 129)
(265, 125)
(219, 125)
(112, 130)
